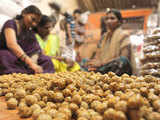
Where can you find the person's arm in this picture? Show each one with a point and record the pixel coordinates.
(58, 58)
(126, 52)
(80, 30)
(94, 59)
(18, 51)
(125, 47)
(69, 34)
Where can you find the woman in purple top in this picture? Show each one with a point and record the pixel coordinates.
(19, 50)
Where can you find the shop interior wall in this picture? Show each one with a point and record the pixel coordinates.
(101, 5)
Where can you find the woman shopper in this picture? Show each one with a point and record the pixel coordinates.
(19, 49)
(114, 53)
(50, 45)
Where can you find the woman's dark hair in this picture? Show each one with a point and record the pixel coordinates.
(103, 26)
(45, 19)
(116, 12)
(77, 11)
(54, 20)
(55, 6)
(30, 9)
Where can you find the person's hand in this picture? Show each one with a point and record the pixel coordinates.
(91, 69)
(36, 68)
(98, 64)
(69, 63)
(58, 58)
(69, 41)
(93, 63)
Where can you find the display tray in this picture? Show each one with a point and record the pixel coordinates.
(6, 114)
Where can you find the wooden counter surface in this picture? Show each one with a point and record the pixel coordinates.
(6, 114)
